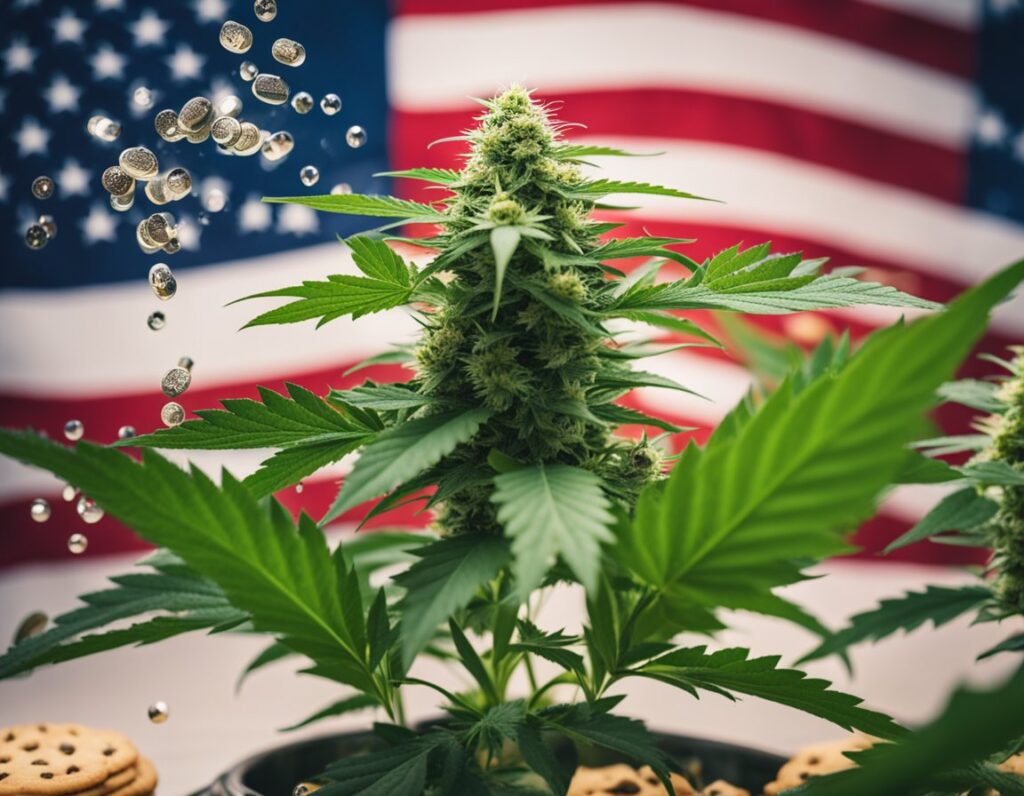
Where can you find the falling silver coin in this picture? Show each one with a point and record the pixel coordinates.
(288, 52)
(159, 228)
(147, 244)
(159, 712)
(175, 382)
(163, 282)
(278, 146)
(341, 188)
(117, 181)
(78, 543)
(225, 130)
(40, 510)
(235, 37)
(247, 70)
(156, 321)
(36, 237)
(126, 432)
(330, 104)
(355, 136)
(122, 204)
(249, 140)
(43, 187)
(173, 246)
(305, 789)
(49, 224)
(270, 89)
(88, 510)
(173, 414)
(179, 183)
(302, 102)
(309, 175)
(32, 625)
(186, 362)
(103, 128)
(143, 97)
(198, 136)
(74, 430)
(195, 114)
(68, 493)
(265, 10)
(139, 162)
(166, 125)
(156, 190)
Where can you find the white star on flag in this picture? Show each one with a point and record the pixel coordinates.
(108, 63)
(62, 95)
(99, 224)
(68, 28)
(19, 57)
(109, 5)
(211, 10)
(149, 29)
(991, 129)
(73, 179)
(254, 215)
(5, 185)
(297, 219)
(185, 63)
(31, 138)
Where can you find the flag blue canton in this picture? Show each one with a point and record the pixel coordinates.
(61, 63)
(995, 181)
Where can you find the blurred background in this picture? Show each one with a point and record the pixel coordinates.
(882, 133)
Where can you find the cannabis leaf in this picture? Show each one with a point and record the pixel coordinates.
(938, 604)
(731, 670)
(807, 466)
(442, 582)
(598, 188)
(550, 511)
(360, 205)
(382, 397)
(403, 452)
(959, 511)
(387, 283)
(282, 576)
(980, 395)
(942, 757)
(179, 602)
(576, 151)
(275, 421)
(642, 247)
(437, 176)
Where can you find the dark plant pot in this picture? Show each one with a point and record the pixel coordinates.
(276, 771)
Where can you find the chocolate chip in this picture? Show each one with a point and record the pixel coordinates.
(31, 747)
(109, 751)
(40, 762)
(3, 775)
(67, 748)
(73, 769)
(47, 775)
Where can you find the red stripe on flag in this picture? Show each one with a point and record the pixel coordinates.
(903, 35)
(801, 133)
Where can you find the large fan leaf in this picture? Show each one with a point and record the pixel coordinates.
(550, 511)
(403, 452)
(359, 205)
(937, 604)
(732, 671)
(282, 576)
(806, 467)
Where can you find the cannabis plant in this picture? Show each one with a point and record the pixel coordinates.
(984, 509)
(508, 432)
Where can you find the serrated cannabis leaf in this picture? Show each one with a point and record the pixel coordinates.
(731, 671)
(403, 452)
(550, 511)
(805, 468)
(980, 395)
(382, 397)
(599, 188)
(642, 247)
(275, 421)
(937, 604)
(281, 575)
(437, 176)
(974, 726)
(172, 604)
(504, 242)
(384, 287)
(959, 511)
(443, 581)
(575, 151)
(360, 205)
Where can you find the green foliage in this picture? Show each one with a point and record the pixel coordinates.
(942, 757)
(731, 671)
(959, 511)
(553, 511)
(937, 604)
(507, 431)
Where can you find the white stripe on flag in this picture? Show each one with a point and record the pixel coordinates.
(105, 347)
(619, 46)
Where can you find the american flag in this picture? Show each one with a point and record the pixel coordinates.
(883, 133)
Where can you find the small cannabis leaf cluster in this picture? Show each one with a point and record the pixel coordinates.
(507, 431)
